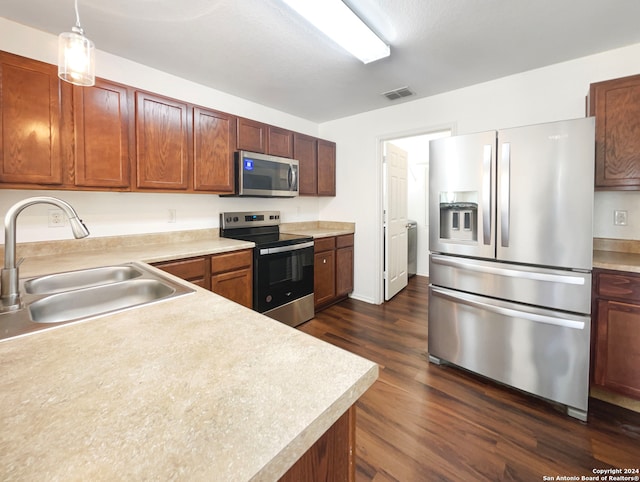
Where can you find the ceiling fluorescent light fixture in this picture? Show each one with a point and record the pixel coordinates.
(339, 23)
(76, 56)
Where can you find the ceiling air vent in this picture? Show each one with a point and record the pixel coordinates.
(398, 93)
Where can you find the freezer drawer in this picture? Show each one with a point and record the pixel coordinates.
(540, 351)
(552, 288)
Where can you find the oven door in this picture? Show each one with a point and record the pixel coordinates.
(282, 274)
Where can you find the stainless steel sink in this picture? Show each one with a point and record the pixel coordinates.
(75, 296)
(57, 283)
(83, 303)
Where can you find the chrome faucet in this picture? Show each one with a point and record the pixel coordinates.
(9, 288)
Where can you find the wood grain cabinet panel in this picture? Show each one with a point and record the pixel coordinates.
(29, 121)
(616, 106)
(162, 152)
(102, 135)
(333, 269)
(326, 168)
(214, 142)
(279, 142)
(232, 276)
(305, 150)
(616, 333)
(332, 457)
(344, 265)
(194, 270)
(617, 364)
(324, 277)
(252, 135)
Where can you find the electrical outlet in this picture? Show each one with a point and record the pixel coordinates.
(619, 218)
(172, 216)
(56, 218)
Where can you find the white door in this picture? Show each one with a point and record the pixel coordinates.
(395, 220)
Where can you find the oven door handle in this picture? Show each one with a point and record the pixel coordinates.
(284, 249)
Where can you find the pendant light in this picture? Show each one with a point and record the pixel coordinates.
(76, 57)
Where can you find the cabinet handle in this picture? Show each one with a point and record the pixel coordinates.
(324, 260)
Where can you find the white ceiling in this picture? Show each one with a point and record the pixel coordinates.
(262, 51)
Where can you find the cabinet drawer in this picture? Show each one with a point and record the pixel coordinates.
(625, 286)
(221, 263)
(324, 244)
(187, 269)
(344, 241)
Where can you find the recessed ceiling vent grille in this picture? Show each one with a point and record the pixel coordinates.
(398, 93)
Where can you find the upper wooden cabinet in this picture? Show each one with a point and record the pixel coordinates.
(252, 136)
(29, 121)
(112, 137)
(279, 142)
(214, 140)
(102, 135)
(616, 106)
(305, 150)
(326, 168)
(162, 151)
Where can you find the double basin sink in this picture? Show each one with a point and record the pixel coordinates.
(73, 296)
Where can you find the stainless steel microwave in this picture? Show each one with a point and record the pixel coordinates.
(261, 175)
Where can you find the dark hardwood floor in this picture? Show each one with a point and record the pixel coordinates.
(422, 422)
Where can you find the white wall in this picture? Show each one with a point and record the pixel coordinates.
(109, 214)
(552, 93)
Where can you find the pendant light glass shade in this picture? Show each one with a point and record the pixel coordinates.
(76, 56)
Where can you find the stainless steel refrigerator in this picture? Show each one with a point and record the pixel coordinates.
(511, 241)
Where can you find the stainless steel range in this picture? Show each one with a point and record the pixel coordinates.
(282, 265)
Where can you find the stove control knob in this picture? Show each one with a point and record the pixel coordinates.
(235, 219)
(228, 219)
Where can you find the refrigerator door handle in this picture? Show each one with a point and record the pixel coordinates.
(474, 301)
(513, 273)
(505, 183)
(486, 194)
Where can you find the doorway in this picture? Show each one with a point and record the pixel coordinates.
(416, 147)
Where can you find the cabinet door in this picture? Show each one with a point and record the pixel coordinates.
(29, 121)
(280, 142)
(305, 150)
(324, 277)
(616, 105)
(617, 348)
(161, 143)
(232, 276)
(102, 135)
(214, 141)
(235, 285)
(252, 136)
(344, 265)
(326, 168)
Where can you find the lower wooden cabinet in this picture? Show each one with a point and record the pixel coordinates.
(333, 269)
(332, 457)
(616, 340)
(227, 274)
(194, 270)
(232, 276)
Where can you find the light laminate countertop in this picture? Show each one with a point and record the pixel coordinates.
(192, 388)
(616, 254)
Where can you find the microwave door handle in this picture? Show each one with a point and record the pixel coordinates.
(486, 195)
(291, 177)
(505, 187)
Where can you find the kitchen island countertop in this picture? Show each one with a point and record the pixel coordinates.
(195, 387)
